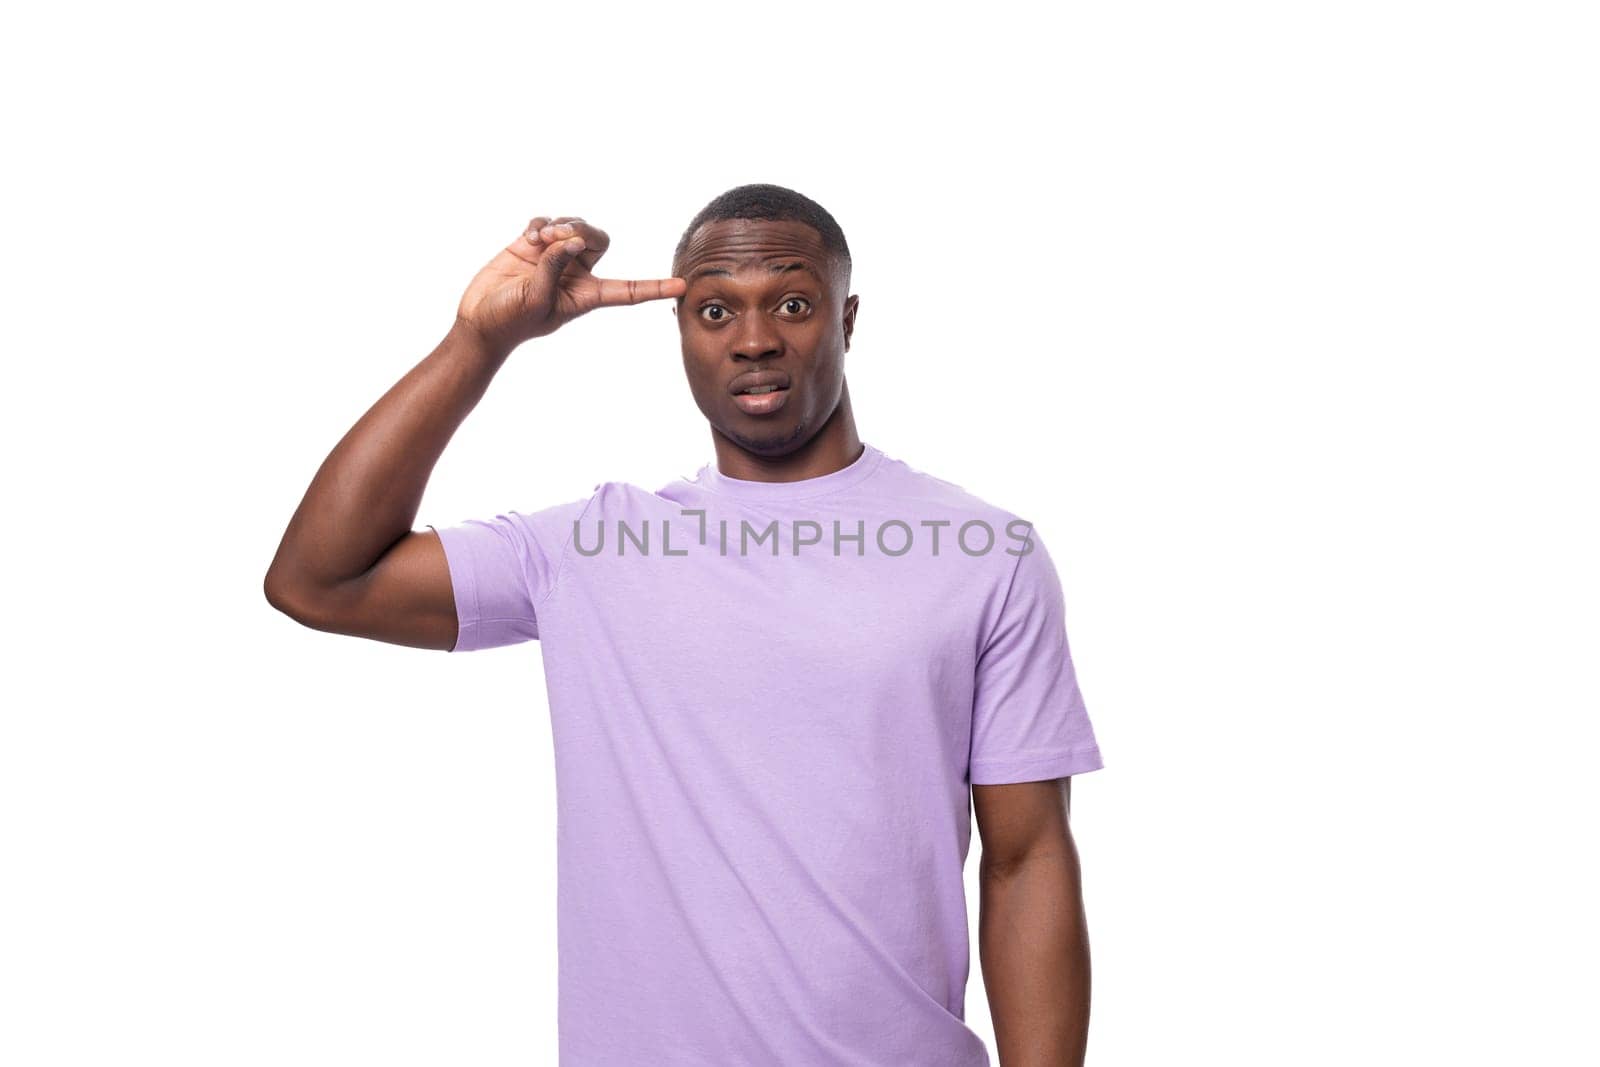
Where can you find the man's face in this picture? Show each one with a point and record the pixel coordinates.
(765, 306)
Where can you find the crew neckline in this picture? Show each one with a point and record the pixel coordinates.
(717, 482)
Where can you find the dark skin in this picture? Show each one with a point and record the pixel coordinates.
(1033, 935)
(768, 295)
(750, 295)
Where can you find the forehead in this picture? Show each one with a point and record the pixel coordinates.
(745, 244)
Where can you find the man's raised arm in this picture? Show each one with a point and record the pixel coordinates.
(350, 561)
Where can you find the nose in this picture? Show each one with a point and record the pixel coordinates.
(756, 339)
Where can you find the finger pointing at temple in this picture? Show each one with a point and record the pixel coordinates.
(615, 292)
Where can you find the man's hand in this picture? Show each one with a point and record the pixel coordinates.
(544, 279)
(350, 561)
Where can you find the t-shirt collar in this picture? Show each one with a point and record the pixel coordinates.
(717, 482)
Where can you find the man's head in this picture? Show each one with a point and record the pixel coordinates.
(768, 273)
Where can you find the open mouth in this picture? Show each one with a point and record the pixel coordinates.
(759, 382)
(760, 399)
(760, 392)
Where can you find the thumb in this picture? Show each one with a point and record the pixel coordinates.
(555, 260)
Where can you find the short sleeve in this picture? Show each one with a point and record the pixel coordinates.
(502, 569)
(1029, 722)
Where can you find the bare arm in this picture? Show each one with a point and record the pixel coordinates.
(350, 561)
(1033, 939)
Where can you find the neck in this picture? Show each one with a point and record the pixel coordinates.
(832, 448)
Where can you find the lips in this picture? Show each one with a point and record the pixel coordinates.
(774, 391)
(765, 380)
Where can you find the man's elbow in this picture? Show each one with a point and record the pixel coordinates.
(288, 597)
(1054, 854)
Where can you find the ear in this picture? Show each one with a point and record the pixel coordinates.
(850, 319)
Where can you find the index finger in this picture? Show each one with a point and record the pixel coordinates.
(615, 292)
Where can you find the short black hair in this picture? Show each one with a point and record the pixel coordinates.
(771, 203)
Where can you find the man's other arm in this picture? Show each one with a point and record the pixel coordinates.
(350, 561)
(1033, 940)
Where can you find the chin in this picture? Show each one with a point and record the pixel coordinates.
(770, 441)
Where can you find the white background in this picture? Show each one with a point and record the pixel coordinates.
(1278, 320)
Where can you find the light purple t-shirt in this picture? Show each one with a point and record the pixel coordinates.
(768, 700)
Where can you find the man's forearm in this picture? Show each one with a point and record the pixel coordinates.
(366, 494)
(1033, 943)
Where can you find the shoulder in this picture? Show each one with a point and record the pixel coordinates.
(627, 502)
(623, 495)
(927, 493)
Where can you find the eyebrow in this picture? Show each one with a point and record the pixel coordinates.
(775, 269)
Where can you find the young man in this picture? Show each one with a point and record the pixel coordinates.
(771, 686)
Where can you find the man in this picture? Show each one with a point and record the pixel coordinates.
(771, 686)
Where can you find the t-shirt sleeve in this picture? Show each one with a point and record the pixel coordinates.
(502, 569)
(1029, 722)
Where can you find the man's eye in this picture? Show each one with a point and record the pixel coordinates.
(706, 312)
(789, 305)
